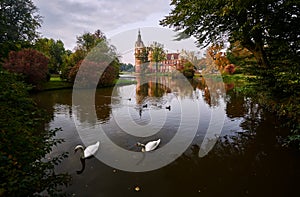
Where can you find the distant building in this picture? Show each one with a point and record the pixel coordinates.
(143, 59)
(172, 62)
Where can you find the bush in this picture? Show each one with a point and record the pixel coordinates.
(229, 69)
(90, 72)
(31, 63)
(24, 142)
(188, 70)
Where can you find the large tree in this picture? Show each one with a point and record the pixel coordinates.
(19, 21)
(95, 56)
(254, 23)
(54, 50)
(25, 143)
(269, 29)
(29, 62)
(157, 53)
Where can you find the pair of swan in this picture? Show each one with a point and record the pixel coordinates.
(92, 149)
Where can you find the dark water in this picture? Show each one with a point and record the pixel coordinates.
(213, 142)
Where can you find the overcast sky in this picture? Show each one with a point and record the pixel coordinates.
(66, 19)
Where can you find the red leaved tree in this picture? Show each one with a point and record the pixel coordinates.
(94, 74)
(229, 69)
(29, 62)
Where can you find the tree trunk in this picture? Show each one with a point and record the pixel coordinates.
(258, 51)
(261, 56)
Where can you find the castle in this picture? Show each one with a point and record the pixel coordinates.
(144, 60)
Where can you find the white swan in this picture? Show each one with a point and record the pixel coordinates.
(88, 151)
(149, 146)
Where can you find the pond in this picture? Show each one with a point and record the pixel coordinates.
(213, 142)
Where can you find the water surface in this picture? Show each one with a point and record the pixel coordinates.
(244, 158)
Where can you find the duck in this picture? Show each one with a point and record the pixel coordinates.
(168, 107)
(150, 146)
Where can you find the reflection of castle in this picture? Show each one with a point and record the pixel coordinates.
(144, 61)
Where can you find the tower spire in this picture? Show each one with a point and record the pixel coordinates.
(139, 43)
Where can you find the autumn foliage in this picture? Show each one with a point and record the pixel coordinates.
(29, 62)
(90, 74)
(220, 60)
(229, 69)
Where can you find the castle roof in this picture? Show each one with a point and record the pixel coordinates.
(139, 43)
(172, 56)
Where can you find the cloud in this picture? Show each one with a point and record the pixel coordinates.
(69, 18)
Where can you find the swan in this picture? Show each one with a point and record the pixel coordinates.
(88, 151)
(149, 146)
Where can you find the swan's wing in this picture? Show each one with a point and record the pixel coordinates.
(152, 145)
(90, 150)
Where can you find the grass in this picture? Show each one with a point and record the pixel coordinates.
(55, 83)
(120, 82)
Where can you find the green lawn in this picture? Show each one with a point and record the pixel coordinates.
(55, 83)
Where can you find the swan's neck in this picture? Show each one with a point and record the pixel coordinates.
(140, 144)
(82, 151)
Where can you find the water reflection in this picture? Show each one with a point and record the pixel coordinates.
(247, 159)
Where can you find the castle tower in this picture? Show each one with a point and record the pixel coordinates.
(139, 53)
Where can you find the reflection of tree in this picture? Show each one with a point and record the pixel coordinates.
(213, 89)
(50, 100)
(102, 105)
(151, 86)
(236, 106)
(253, 161)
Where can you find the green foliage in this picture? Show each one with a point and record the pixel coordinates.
(18, 23)
(126, 67)
(269, 30)
(24, 143)
(88, 41)
(188, 70)
(92, 50)
(252, 22)
(157, 53)
(69, 61)
(29, 62)
(54, 50)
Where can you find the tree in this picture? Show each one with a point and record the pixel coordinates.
(94, 56)
(157, 53)
(87, 41)
(126, 67)
(188, 70)
(191, 56)
(18, 24)
(24, 144)
(29, 62)
(54, 50)
(241, 57)
(268, 29)
(252, 22)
